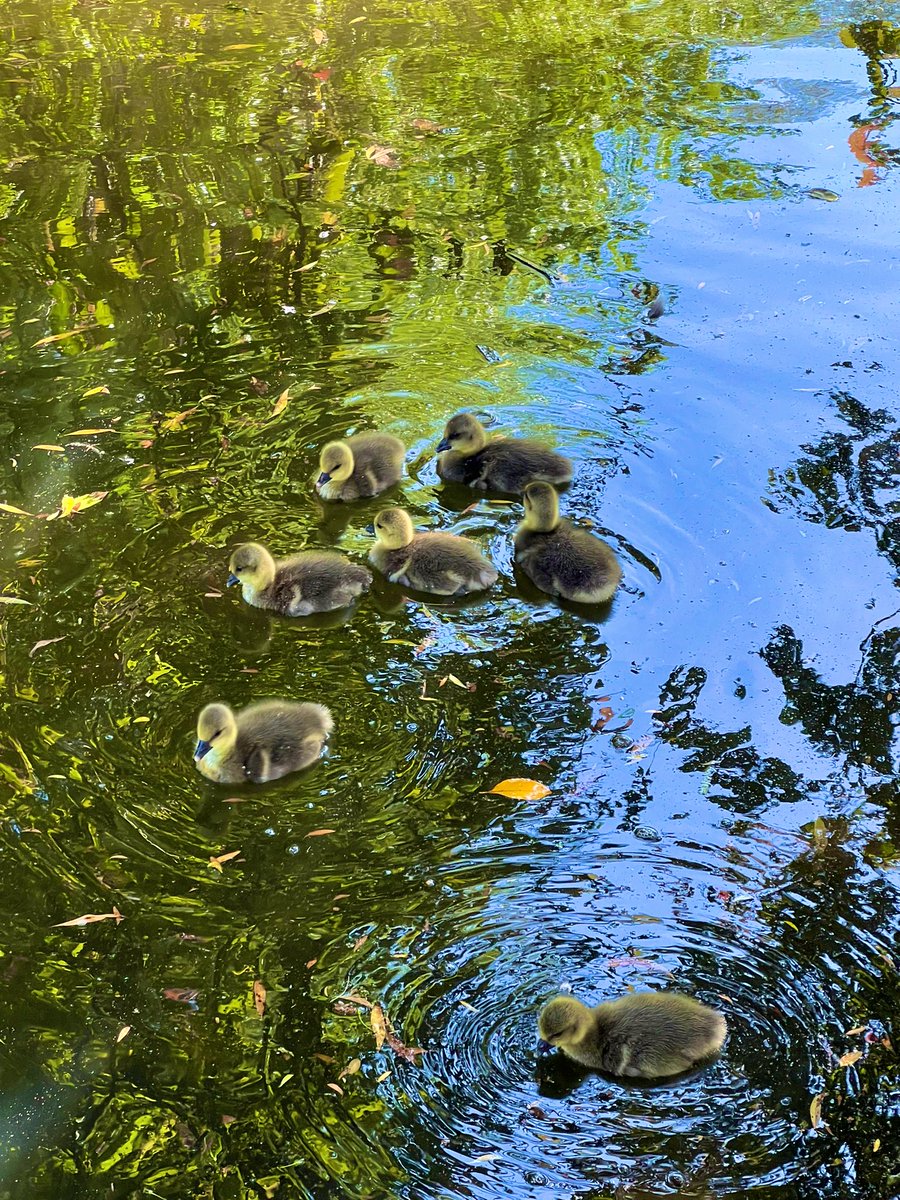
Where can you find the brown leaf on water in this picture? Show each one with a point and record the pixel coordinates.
(335, 1088)
(44, 642)
(181, 995)
(312, 962)
(91, 919)
(425, 126)
(354, 999)
(328, 1059)
(319, 36)
(407, 1053)
(815, 1110)
(379, 1025)
(855, 1029)
(520, 789)
(216, 860)
(281, 403)
(848, 1059)
(360, 941)
(259, 997)
(606, 715)
(227, 1120)
(259, 385)
(383, 156)
(351, 1068)
(320, 832)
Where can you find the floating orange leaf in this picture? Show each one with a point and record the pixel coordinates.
(91, 919)
(520, 789)
(281, 403)
(319, 832)
(848, 1059)
(217, 860)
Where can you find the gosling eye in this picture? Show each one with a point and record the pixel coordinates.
(218, 733)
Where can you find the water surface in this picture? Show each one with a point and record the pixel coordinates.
(201, 210)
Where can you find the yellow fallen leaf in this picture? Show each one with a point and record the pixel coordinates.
(243, 46)
(319, 832)
(177, 420)
(520, 789)
(11, 508)
(13, 600)
(328, 218)
(69, 505)
(123, 1033)
(848, 1059)
(815, 1110)
(351, 1068)
(281, 403)
(379, 1025)
(61, 337)
(44, 446)
(876, 1145)
(855, 1029)
(335, 1088)
(102, 390)
(383, 1076)
(319, 36)
(86, 432)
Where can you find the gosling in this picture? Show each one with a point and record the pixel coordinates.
(262, 743)
(363, 465)
(312, 582)
(646, 1035)
(560, 559)
(440, 563)
(505, 465)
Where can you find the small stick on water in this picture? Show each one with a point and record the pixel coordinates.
(551, 279)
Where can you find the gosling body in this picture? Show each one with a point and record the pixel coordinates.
(311, 582)
(440, 563)
(261, 743)
(505, 465)
(646, 1035)
(559, 558)
(363, 465)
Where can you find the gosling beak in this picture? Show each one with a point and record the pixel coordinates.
(544, 1047)
(370, 528)
(443, 445)
(203, 748)
(232, 578)
(323, 478)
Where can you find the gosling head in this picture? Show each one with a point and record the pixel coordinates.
(252, 566)
(464, 434)
(541, 507)
(335, 463)
(216, 730)
(561, 1022)
(393, 528)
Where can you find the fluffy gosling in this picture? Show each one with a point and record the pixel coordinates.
(559, 558)
(363, 465)
(312, 582)
(261, 743)
(646, 1035)
(504, 465)
(440, 563)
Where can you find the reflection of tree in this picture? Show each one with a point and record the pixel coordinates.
(878, 41)
(851, 721)
(848, 480)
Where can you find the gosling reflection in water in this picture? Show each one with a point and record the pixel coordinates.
(648, 1035)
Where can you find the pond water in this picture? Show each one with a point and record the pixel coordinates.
(229, 233)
